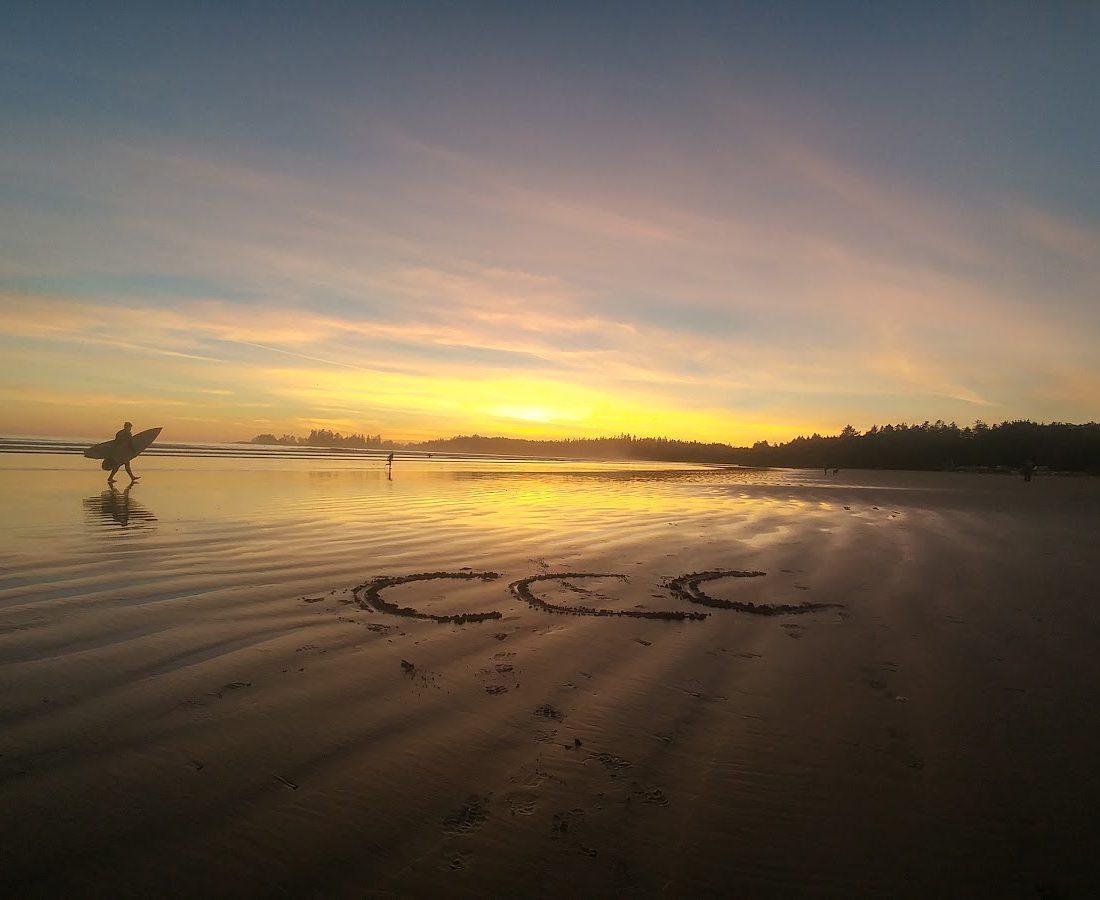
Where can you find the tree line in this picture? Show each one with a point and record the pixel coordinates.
(624, 446)
(322, 437)
(929, 445)
(939, 445)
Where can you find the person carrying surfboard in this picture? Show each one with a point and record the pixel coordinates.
(125, 440)
(121, 449)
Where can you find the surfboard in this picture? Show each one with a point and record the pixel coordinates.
(115, 452)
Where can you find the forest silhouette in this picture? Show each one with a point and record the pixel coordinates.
(937, 445)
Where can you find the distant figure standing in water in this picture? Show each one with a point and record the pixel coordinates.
(125, 439)
(1027, 469)
(389, 459)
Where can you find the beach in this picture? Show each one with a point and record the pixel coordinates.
(640, 680)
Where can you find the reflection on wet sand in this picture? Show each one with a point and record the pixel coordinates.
(115, 507)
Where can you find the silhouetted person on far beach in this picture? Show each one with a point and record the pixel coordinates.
(125, 439)
(389, 460)
(1027, 469)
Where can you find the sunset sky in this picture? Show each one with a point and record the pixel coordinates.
(710, 221)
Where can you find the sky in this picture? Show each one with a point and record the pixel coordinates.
(712, 221)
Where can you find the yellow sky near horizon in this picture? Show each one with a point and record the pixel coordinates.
(198, 396)
(208, 371)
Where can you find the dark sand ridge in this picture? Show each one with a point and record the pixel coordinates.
(687, 586)
(521, 589)
(369, 596)
(176, 736)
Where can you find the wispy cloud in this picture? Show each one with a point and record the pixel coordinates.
(413, 280)
(1069, 239)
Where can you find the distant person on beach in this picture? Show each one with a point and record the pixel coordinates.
(1027, 469)
(389, 459)
(125, 439)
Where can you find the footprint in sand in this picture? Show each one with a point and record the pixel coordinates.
(564, 822)
(653, 796)
(522, 804)
(469, 817)
(546, 711)
(565, 825)
(498, 672)
(454, 860)
(610, 761)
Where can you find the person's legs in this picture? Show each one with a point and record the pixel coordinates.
(130, 472)
(114, 472)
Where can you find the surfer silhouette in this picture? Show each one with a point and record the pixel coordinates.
(124, 439)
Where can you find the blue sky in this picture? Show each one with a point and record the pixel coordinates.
(721, 221)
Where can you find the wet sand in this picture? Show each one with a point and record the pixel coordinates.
(630, 682)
